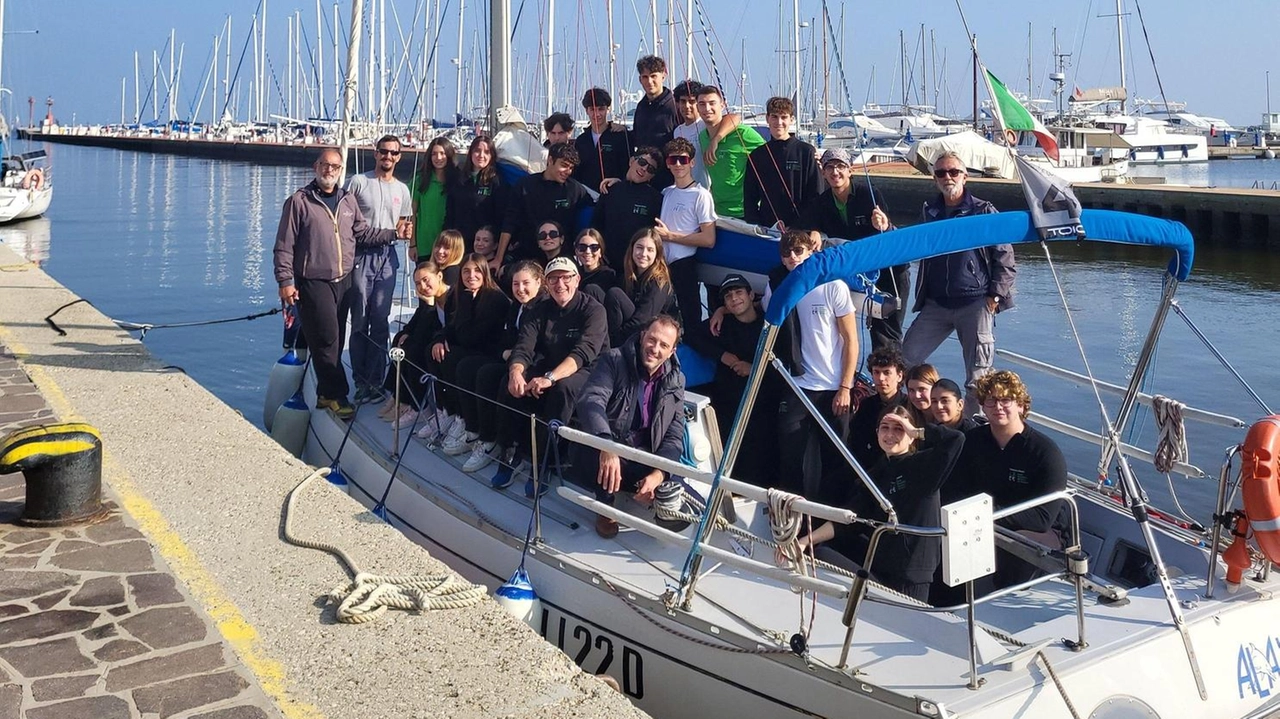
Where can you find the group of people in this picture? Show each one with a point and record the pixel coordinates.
(564, 296)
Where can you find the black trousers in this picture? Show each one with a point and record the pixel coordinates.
(450, 387)
(684, 281)
(805, 450)
(323, 308)
(478, 377)
(887, 333)
(586, 467)
(557, 403)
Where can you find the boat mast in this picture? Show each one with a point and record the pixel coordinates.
(137, 106)
(795, 45)
(1031, 91)
(320, 60)
(457, 101)
(169, 85)
(349, 89)
(688, 41)
(613, 51)
(826, 72)
(1120, 38)
(499, 59)
(551, 51)
(262, 68)
(226, 74)
(382, 60)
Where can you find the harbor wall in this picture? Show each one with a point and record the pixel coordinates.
(206, 489)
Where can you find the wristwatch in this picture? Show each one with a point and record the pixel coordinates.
(549, 377)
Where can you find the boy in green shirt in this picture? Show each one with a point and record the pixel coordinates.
(728, 174)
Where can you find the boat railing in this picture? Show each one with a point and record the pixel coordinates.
(1075, 569)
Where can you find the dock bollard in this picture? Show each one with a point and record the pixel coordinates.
(62, 465)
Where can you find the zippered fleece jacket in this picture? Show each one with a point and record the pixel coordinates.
(313, 243)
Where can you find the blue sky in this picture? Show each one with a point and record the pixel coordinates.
(1215, 64)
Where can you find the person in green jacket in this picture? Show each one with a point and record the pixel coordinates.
(728, 173)
(429, 197)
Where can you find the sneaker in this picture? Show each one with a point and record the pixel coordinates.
(482, 453)
(506, 473)
(389, 410)
(429, 428)
(407, 418)
(372, 395)
(543, 487)
(361, 396)
(341, 408)
(454, 446)
(455, 427)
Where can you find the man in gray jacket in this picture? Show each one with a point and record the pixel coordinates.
(961, 292)
(635, 396)
(315, 249)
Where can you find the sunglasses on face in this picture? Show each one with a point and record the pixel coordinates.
(795, 252)
(643, 163)
(584, 247)
(388, 153)
(678, 160)
(328, 167)
(947, 172)
(549, 235)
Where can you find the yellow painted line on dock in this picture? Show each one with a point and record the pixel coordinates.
(233, 626)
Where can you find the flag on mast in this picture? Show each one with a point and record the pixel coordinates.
(1055, 211)
(1010, 115)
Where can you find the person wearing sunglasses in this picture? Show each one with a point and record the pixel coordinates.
(314, 270)
(552, 195)
(550, 242)
(960, 292)
(687, 222)
(1014, 462)
(628, 205)
(604, 147)
(387, 204)
(597, 276)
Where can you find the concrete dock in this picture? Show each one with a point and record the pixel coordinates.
(186, 602)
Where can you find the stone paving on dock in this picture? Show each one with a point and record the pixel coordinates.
(92, 623)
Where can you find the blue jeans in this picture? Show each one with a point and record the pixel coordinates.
(375, 285)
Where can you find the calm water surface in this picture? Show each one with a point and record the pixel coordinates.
(158, 239)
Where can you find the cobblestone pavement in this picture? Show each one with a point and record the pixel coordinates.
(92, 623)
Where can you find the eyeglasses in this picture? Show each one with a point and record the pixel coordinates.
(947, 172)
(389, 153)
(678, 160)
(328, 167)
(795, 251)
(549, 235)
(584, 247)
(561, 278)
(643, 163)
(1005, 402)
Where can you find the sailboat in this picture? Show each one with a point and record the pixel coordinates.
(26, 188)
(1134, 619)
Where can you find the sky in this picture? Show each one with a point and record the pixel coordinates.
(81, 50)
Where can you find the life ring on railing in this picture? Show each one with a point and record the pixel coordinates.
(33, 180)
(1010, 138)
(1260, 481)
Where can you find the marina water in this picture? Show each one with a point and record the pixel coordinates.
(164, 239)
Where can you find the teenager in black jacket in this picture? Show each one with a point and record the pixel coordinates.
(628, 205)
(474, 312)
(415, 339)
(478, 196)
(589, 251)
(782, 174)
(646, 290)
(910, 478)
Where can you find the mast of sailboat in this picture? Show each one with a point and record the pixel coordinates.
(169, 85)
(551, 51)
(795, 61)
(262, 68)
(226, 74)
(457, 101)
(1031, 90)
(973, 39)
(613, 51)
(349, 87)
(137, 106)
(826, 72)
(319, 60)
(1120, 38)
(499, 59)
(688, 41)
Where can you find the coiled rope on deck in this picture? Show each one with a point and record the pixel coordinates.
(1171, 448)
(368, 596)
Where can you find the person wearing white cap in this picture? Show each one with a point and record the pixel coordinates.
(850, 210)
(552, 358)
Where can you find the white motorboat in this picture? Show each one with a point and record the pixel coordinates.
(703, 623)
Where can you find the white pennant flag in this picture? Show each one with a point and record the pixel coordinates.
(1055, 211)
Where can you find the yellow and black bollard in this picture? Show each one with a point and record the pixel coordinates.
(62, 464)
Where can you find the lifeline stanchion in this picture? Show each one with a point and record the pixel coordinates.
(397, 356)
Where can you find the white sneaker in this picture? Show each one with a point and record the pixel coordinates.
(454, 446)
(456, 429)
(429, 428)
(482, 454)
(407, 418)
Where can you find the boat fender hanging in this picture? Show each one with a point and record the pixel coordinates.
(285, 379)
(519, 599)
(289, 427)
(33, 180)
(1237, 556)
(1260, 480)
(62, 465)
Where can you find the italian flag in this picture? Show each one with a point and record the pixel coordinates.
(1011, 115)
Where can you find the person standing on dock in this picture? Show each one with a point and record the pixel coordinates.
(852, 211)
(961, 292)
(316, 273)
(386, 204)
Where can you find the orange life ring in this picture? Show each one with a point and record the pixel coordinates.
(33, 180)
(1260, 480)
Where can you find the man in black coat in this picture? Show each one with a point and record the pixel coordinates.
(635, 396)
(852, 211)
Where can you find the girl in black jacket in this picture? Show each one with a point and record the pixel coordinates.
(588, 250)
(910, 477)
(477, 197)
(474, 312)
(415, 339)
(646, 291)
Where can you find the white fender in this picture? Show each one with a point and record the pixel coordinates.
(290, 426)
(285, 379)
(519, 599)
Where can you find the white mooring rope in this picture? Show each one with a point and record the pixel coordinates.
(368, 596)
(1171, 448)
